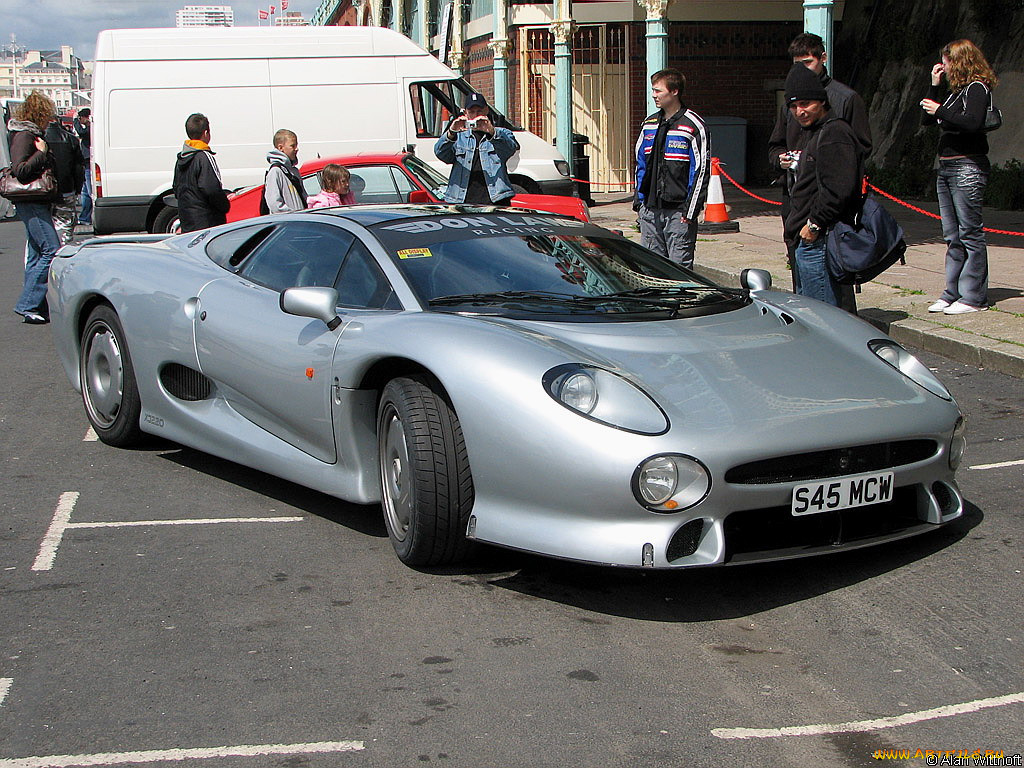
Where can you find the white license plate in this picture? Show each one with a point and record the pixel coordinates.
(842, 493)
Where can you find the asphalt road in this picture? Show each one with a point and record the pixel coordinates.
(300, 634)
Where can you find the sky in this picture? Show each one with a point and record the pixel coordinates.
(49, 24)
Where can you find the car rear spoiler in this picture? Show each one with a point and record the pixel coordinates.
(71, 249)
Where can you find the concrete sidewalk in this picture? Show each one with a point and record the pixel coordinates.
(897, 300)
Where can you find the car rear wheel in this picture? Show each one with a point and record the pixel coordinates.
(426, 484)
(109, 390)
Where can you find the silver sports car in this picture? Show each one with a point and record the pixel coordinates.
(516, 378)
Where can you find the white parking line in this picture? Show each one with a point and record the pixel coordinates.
(48, 549)
(62, 522)
(5, 688)
(202, 753)
(999, 465)
(869, 725)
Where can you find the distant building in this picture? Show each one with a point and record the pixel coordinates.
(291, 19)
(60, 75)
(205, 16)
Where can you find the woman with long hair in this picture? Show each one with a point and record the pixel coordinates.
(29, 157)
(963, 171)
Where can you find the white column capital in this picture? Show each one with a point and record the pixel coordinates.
(655, 9)
(562, 30)
(500, 48)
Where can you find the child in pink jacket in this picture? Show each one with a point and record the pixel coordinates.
(334, 183)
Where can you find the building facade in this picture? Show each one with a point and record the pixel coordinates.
(205, 16)
(532, 59)
(58, 74)
(291, 19)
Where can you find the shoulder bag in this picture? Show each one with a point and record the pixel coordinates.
(41, 190)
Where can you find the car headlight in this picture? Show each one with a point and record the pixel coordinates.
(909, 366)
(671, 483)
(606, 397)
(958, 444)
(562, 167)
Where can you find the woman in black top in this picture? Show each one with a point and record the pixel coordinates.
(963, 172)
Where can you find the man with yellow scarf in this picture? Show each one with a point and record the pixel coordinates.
(202, 199)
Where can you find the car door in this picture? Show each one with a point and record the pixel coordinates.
(273, 368)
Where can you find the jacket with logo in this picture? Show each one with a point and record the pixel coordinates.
(683, 165)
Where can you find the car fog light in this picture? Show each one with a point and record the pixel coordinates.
(579, 392)
(671, 483)
(958, 444)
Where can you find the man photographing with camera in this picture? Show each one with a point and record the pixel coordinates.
(478, 152)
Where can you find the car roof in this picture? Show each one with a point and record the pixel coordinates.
(369, 158)
(368, 215)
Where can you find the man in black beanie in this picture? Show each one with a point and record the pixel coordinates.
(825, 183)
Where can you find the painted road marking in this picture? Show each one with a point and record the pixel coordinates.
(999, 465)
(62, 522)
(61, 518)
(202, 753)
(90, 436)
(5, 688)
(869, 725)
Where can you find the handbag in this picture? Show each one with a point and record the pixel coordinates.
(859, 252)
(43, 189)
(993, 117)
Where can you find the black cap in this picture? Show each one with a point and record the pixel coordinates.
(475, 100)
(84, 112)
(804, 85)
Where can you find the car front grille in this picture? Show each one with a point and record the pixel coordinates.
(756, 534)
(832, 463)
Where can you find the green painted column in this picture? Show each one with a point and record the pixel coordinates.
(657, 42)
(500, 46)
(562, 29)
(818, 19)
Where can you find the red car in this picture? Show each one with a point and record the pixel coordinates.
(396, 178)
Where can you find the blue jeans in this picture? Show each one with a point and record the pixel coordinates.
(812, 277)
(42, 244)
(961, 187)
(85, 217)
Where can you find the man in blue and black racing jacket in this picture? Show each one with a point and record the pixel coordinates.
(673, 166)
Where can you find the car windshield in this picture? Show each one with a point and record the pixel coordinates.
(429, 177)
(518, 265)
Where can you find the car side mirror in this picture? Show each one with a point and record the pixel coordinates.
(756, 279)
(420, 196)
(313, 302)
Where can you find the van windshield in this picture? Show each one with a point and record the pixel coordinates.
(436, 102)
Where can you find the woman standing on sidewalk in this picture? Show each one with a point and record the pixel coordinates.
(963, 172)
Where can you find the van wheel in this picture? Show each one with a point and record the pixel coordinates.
(167, 222)
(426, 485)
(524, 186)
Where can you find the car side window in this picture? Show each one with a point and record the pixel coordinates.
(300, 253)
(231, 248)
(312, 184)
(375, 184)
(361, 282)
(403, 183)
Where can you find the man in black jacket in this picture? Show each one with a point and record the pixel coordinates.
(825, 186)
(202, 200)
(784, 144)
(70, 170)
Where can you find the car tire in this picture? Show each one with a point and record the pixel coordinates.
(519, 189)
(109, 389)
(167, 222)
(426, 483)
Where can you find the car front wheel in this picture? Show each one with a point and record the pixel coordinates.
(109, 390)
(426, 484)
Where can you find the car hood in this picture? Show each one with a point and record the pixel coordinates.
(764, 364)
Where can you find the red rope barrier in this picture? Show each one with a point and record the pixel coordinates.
(879, 191)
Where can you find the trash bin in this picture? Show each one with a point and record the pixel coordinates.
(581, 166)
(729, 144)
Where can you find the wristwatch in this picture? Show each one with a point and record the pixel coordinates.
(813, 227)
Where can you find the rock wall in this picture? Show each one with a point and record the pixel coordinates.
(885, 50)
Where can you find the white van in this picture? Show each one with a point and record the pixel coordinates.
(343, 90)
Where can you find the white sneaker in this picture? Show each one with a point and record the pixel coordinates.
(959, 308)
(938, 306)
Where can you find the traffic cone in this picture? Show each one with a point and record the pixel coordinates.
(716, 217)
